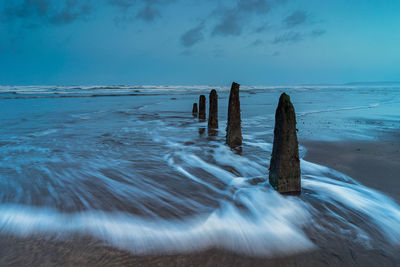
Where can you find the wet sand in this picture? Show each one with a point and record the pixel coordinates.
(373, 164)
(79, 251)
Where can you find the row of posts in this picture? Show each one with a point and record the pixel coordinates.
(284, 170)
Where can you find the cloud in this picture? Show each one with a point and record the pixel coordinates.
(123, 4)
(253, 6)
(228, 25)
(38, 12)
(261, 28)
(318, 33)
(232, 19)
(297, 18)
(147, 10)
(61, 12)
(294, 37)
(193, 36)
(246, 16)
(72, 11)
(257, 42)
(288, 38)
(148, 13)
(27, 8)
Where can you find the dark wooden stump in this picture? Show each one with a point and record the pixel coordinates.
(234, 128)
(194, 110)
(202, 108)
(213, 113)
(284, 171)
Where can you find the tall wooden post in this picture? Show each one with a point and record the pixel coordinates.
(234, 128)
(284, 171)
(202, 108)
(213, 113)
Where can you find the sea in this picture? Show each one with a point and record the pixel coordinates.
(130, 166)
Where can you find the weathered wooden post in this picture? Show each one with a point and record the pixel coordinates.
(284, 170)
(202, 108)
(213, 113)
(234, 128)
(194, 110)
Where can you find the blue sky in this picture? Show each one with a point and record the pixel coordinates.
(254, 42)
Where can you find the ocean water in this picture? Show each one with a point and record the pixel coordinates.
(130, 166)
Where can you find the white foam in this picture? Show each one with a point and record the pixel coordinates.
(382, 212)
(263, 230)
(258, 220)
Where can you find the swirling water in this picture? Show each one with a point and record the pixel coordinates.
(137, 171)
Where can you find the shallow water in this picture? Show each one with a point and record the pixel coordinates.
(132, 168)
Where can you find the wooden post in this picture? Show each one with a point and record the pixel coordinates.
(202, 108)
(194, 110)
(284, 171)
(213, 113)
(234, 128)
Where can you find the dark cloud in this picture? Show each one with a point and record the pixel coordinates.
(193, 36)
(148, 13)
(298, 17)
(242, 16)
(232, 19)
(253, 6)
(126, 4)
(38, 12)
(257, 42)
(72, 10)
(228, 25)
(123, 4)
(26, 8)
(60, 12)
(147, 10)
(261, 28)
(294, 37)
(288, 38)
(318, 33)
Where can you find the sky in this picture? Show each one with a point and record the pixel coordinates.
(189, 42)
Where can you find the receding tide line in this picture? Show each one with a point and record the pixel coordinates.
(338, 109)
(222, 229)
